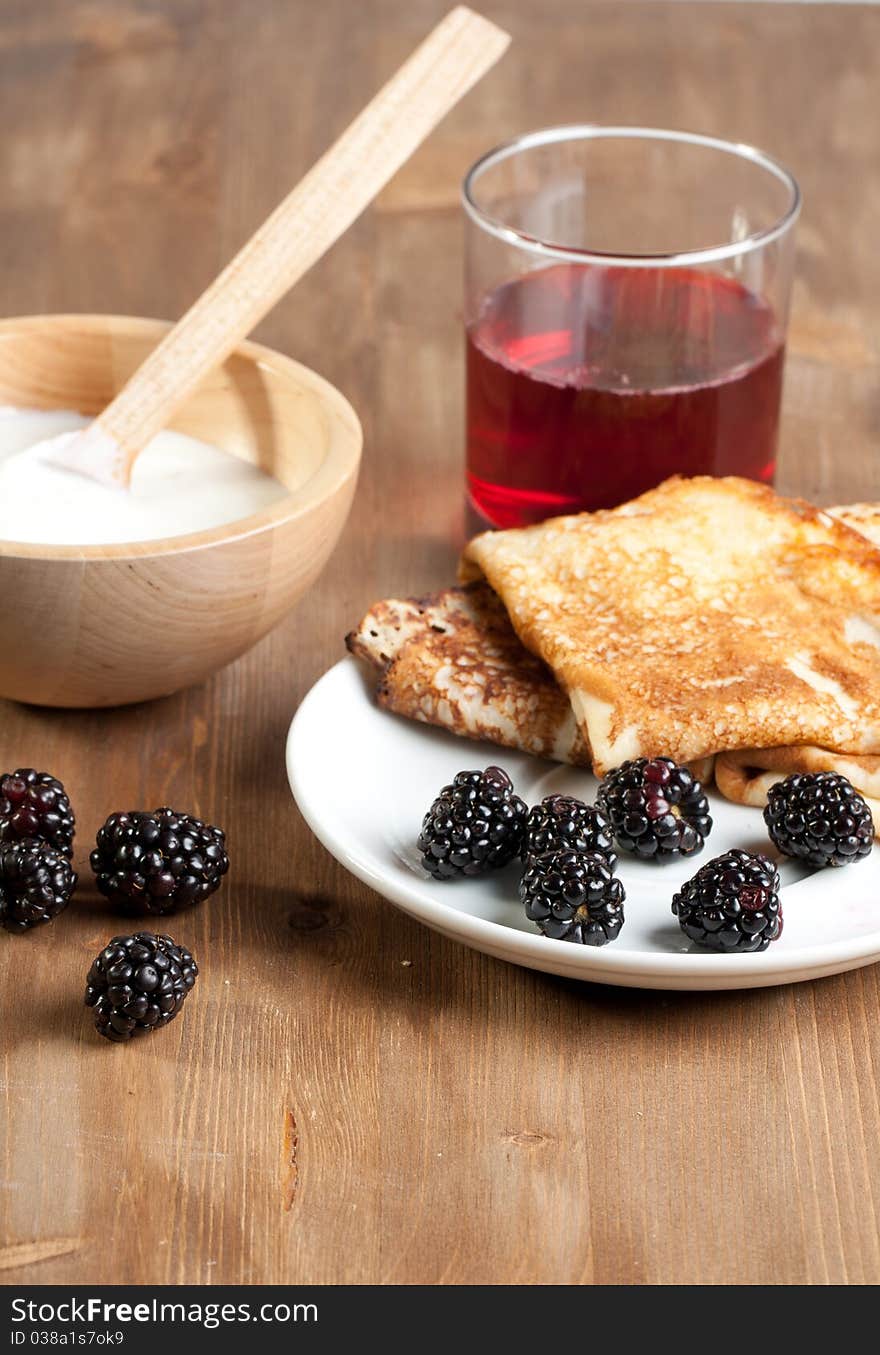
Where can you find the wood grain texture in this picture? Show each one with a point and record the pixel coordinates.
(348, 1097)
(312, 216)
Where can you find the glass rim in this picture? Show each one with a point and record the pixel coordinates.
(596, 131)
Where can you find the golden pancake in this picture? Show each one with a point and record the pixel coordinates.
(747, 775)
(706, 615)
(863, 517)
(453, 660)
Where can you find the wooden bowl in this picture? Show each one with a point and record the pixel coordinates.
(106, 625)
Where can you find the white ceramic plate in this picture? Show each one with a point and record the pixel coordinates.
(363, 779)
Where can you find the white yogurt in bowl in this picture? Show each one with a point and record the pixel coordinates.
(179, 485)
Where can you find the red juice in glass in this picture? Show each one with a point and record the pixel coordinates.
(626, 304)
(588, 385)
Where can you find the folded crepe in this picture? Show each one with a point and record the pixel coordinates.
(453, 659)
(862, 517)
(746, 775)
(706, 615)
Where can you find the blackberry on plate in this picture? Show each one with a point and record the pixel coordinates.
(563, 823)
(35, 804)
(732, 903)
(658, 809)
(137, 984)
(573, 896)
(820, 818)
(159, 862)
(36, 884)
(476, 824)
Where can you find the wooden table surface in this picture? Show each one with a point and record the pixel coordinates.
(348, 1097)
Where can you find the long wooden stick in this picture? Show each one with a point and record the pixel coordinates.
(311, 218)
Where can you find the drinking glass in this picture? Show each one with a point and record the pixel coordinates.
(626, 305)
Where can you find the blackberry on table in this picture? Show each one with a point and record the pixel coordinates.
(658, 810)
(564, 823)
(159, 862)
(820, 818)
(475, 824)
(35, 805)
(137, 984)
(573, 896)
(36, 884)
(732, 904)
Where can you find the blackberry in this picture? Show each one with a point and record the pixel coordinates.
(476, 824)
(732, 903)
(36, 884)
(35, 804)
(573, 896)
(137, 984)
(658, 810)
(563, 823)
(820, 818)
(159, 862)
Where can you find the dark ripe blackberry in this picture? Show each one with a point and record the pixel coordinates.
(573, 896)
(658, 810)
(159, 862)
(820, 818)
(732, 903)
(35, 804)
(474, 825)
(563, 823)
(36, 884)
(137, 984)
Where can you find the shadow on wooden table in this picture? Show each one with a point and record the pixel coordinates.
(392, 960)
(648, 1001)
(49, 1008)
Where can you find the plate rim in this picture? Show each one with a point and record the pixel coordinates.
(591, 964)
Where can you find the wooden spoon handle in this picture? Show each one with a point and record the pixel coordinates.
(314, 215)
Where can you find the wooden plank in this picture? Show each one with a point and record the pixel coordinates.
(323, 1111)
